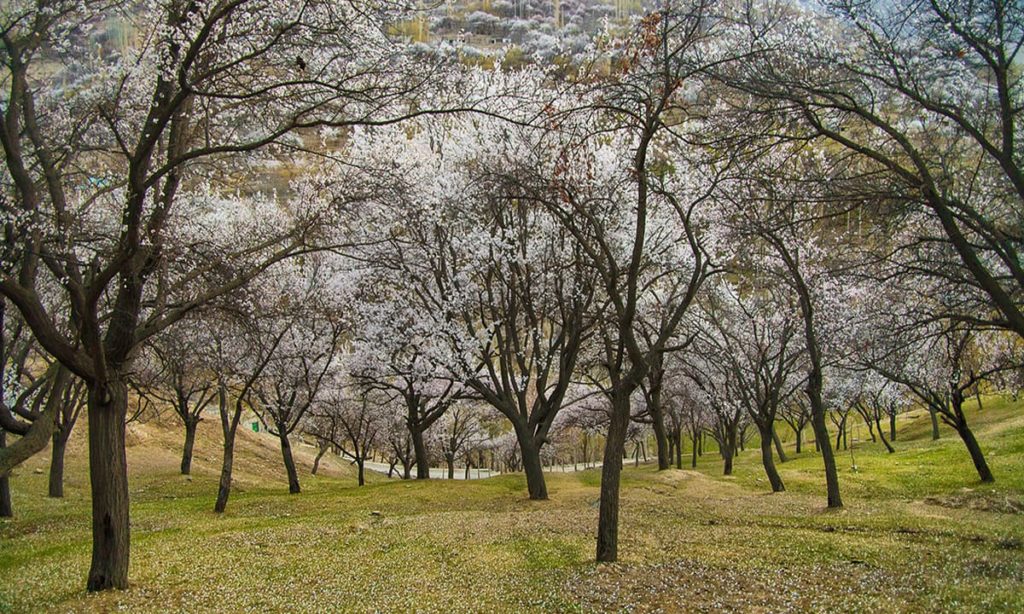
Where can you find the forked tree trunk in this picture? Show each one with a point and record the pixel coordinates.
(289, 462)
(108, 478)
(769, 462)
(611, 470)
(190, 441)
(59, 443)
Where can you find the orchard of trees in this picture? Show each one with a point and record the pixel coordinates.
(725, 219)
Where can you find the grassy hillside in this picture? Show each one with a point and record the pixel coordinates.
(919, 533)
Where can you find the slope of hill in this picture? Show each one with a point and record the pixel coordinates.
(919, 533)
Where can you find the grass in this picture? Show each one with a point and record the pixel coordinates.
(918, 533)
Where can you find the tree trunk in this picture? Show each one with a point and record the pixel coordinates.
(799, 439)
(611, 470)
(289, 463)
(892, 427)
(320, 454)
(406, 470)
(693, 459)
(778, 446)
(973, 448)
(468, 465)
(881, 435)
(228, 428)
(224, 490)
(6, 511)
(420, 449)
(360, 463)
(824, 444)
(678, 435)
(935, 423)
(451, 467)
(108, 478)
(727, 455)
(60, 443)
(774, 478)
(190, 440)
(532, 465)
(661, 441)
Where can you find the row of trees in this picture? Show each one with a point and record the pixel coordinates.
(729, 211)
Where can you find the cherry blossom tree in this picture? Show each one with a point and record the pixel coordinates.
(180, 378)
(102, 150)
(926, 93)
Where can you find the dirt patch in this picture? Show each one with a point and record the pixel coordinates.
(982, 502)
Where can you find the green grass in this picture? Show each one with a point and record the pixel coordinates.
(918, 533)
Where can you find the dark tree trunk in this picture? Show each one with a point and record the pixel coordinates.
(661, 441)
(360, 463)
(190, 441)
(892, 427)
(6, 511)
(406, 470)
(60, 443)
(727, 455)
(532, 466)
(678, 435)
(778, 446)
(229, 426)
(289, 462)
(696, 446)
(823, 443)
(320, 454)
(881, 435)
(799, 439)
(977, 457)
(224, 489)
(935, 423)
(108, 478)
(611, 470)
(468, 465)
(420, 449)
(451, 467)
(769, 462)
